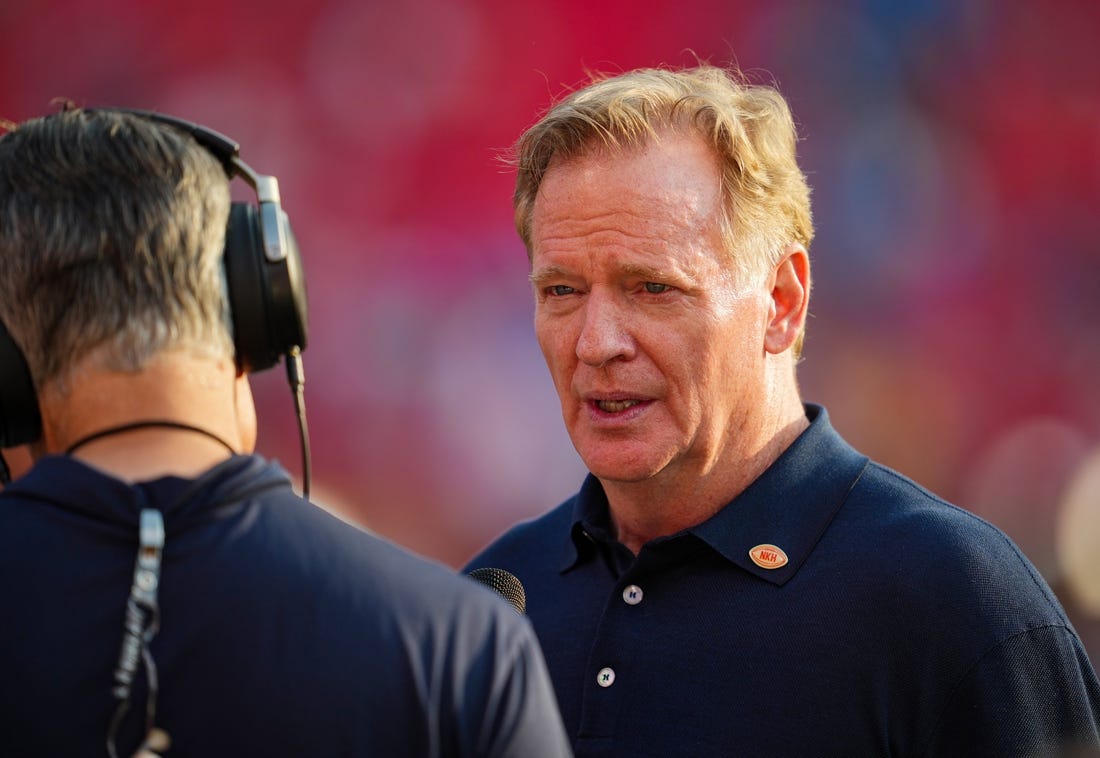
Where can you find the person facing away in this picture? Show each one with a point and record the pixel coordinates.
(732, 578)
(251, 622)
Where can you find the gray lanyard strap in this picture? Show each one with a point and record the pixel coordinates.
(142, 623)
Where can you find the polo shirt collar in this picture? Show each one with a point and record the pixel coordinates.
(74, 485)
(590, 524)
(789, 506)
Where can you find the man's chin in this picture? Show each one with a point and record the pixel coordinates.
(621, 470)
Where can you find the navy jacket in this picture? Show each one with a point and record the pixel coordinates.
(283, 631)
(898, 625)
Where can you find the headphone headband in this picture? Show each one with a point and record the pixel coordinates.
(224, 148)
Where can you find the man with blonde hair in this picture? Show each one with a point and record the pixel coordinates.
(732, 578)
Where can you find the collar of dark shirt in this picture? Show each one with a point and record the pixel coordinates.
(790, 506)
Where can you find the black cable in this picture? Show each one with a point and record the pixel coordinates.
(296, 376)
(146, 424)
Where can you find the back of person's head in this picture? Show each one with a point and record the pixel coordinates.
(767, 200)
(111, 235)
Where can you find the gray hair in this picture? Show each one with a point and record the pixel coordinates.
(112, 228)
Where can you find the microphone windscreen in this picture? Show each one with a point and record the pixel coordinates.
(504, 583)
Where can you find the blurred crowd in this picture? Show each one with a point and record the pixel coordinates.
(954, 155)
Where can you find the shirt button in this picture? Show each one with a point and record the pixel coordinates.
(606, 677)
(632, 595)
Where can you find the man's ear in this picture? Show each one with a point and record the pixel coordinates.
(790, 299)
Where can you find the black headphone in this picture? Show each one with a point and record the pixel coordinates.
(263, 271)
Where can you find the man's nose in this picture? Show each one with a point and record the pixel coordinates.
(605, 330)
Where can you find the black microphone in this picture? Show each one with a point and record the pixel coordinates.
(505, 583)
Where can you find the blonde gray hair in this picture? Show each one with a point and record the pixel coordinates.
(766, 197)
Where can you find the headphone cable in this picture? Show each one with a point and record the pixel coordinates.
(295, 374)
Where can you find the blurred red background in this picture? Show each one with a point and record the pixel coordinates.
(954, 154)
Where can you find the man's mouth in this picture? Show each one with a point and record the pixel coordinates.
(615, 406)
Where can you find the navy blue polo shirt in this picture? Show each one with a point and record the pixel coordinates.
(282, 630)
(875, 619)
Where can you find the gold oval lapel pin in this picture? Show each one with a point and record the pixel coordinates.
(768, 556)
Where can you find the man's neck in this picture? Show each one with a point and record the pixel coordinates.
(673, 501)
(116, 419)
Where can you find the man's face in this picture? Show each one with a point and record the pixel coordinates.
(656, 350)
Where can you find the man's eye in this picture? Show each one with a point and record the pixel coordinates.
(656, 288)
(559, 290)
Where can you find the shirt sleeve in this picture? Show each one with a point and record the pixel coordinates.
(509, 709)
(1034, 694)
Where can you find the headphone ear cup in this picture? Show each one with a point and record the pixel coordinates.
(266, 298)
(20, 421)
(289, 312)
